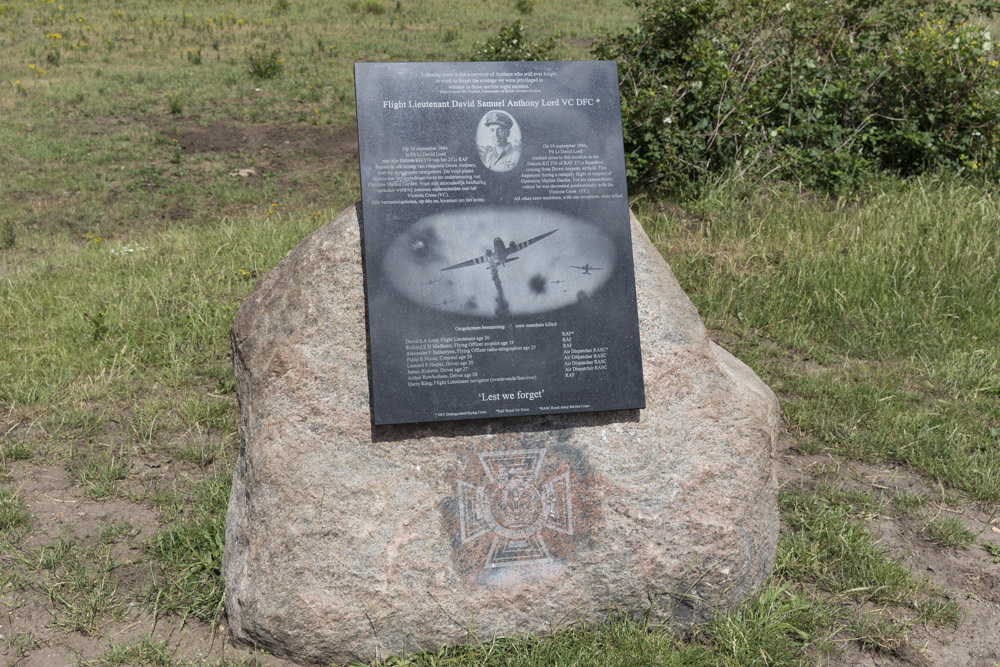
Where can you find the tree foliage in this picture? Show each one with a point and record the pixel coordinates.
(824, 93)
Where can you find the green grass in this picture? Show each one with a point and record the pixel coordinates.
(778, 626)
(908, 503)
(949, 532)
(829, 545)
(102, 473)
(878, 323)
(14, 515)
(167, 313)
(16, 451)
(879, 634)
(189, 553)
(127, 85)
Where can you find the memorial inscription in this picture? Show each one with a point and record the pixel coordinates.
(496, 239)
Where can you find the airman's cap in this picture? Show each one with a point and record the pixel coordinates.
(498, 118)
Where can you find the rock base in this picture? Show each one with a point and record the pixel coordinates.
(349, 542)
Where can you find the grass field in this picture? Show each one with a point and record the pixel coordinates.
(157, 158)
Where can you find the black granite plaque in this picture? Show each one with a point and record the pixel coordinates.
(498, 255)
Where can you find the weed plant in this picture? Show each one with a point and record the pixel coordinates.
(190, 553)
(77, 581)
(102, 474)
(512, 44)
(949, 532)
(8, 239)
(265, 63)
(13, 513)
(366, 7)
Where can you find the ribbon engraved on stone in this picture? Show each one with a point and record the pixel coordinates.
(515, 507)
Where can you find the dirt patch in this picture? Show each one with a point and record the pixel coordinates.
(58, 505)
(968, 576)
(187, 640)
(339, 146)
(176, 213)
(42, 630)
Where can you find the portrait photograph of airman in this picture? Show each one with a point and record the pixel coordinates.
(498, 138)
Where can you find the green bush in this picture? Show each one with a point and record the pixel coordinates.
(8, 238)
(824, 93)
(265, 63)
(511, 44)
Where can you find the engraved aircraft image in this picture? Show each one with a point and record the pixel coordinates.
(587, 268)
(423, 262)
(500, 254)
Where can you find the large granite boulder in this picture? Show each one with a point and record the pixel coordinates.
(346, 541)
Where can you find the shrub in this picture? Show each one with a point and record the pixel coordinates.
(265, 63)
(8, 238)
(511, 44)
(366, 7)
(825, 93)
(525, 6)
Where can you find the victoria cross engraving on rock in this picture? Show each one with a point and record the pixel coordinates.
(515, 508)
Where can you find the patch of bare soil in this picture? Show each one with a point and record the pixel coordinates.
(185, 640)
(275, 150)
(968, 576)
(38, 629)
(58, 505)
(340, 145)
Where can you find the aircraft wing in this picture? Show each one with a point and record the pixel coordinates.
(525, 244)
(471, 262)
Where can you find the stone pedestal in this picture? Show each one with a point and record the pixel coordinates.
(350, 542)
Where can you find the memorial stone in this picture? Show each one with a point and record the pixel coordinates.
(347, 539)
